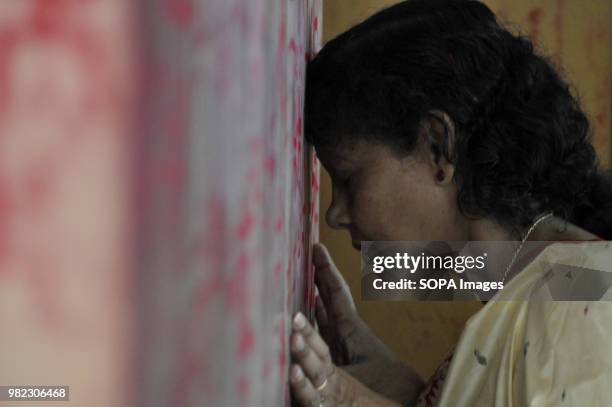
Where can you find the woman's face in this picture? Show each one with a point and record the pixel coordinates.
(378, 195)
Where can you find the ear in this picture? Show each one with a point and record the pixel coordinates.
(437, 138)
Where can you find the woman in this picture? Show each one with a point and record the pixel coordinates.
(436, 123)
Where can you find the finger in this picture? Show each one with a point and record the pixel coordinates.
(326, 330)
(312, 338)
(303, 390)
(334, 290)
(314, 368)
(321, 313)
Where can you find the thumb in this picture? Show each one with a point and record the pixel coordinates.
(334, 290)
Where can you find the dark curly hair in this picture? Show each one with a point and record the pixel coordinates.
(522, 140)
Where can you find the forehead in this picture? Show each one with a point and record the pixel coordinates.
(355, 152)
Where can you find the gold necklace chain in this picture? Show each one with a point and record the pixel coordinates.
(531, 229)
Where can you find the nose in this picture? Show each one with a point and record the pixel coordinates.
(337, 216)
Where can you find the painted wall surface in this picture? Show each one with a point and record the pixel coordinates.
(576, 33)
(157, 201)
(227, 205)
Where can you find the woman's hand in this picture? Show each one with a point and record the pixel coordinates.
(352, 345)
(337, 317)
(350, 340)
(315, 380)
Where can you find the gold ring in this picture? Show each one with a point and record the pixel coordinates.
(323, 385)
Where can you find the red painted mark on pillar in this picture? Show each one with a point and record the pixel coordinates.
(243, 387)
(180, 12)
(278, 273)
(246, 226)
(237, 290)
(315, 23)
(279, 224)
(188, 371)
(270, 164)
(292, 46)
(48, 16)
(315, 182)
(247, 340)
(278, 268)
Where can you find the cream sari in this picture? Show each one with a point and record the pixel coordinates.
(535, 352)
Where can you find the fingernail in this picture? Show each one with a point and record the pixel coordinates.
(299, 343)
(299, 321)
(297, 373)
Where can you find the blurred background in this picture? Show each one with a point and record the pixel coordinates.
(576, 34)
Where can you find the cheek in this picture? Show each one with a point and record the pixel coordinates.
(373, 212)
(427, 212)
(403, 208)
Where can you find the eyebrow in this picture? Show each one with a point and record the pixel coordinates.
(336, 166)
(340, 165)
(342, 158)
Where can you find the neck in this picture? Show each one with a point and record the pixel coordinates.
(499, 254)
(488, 229)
